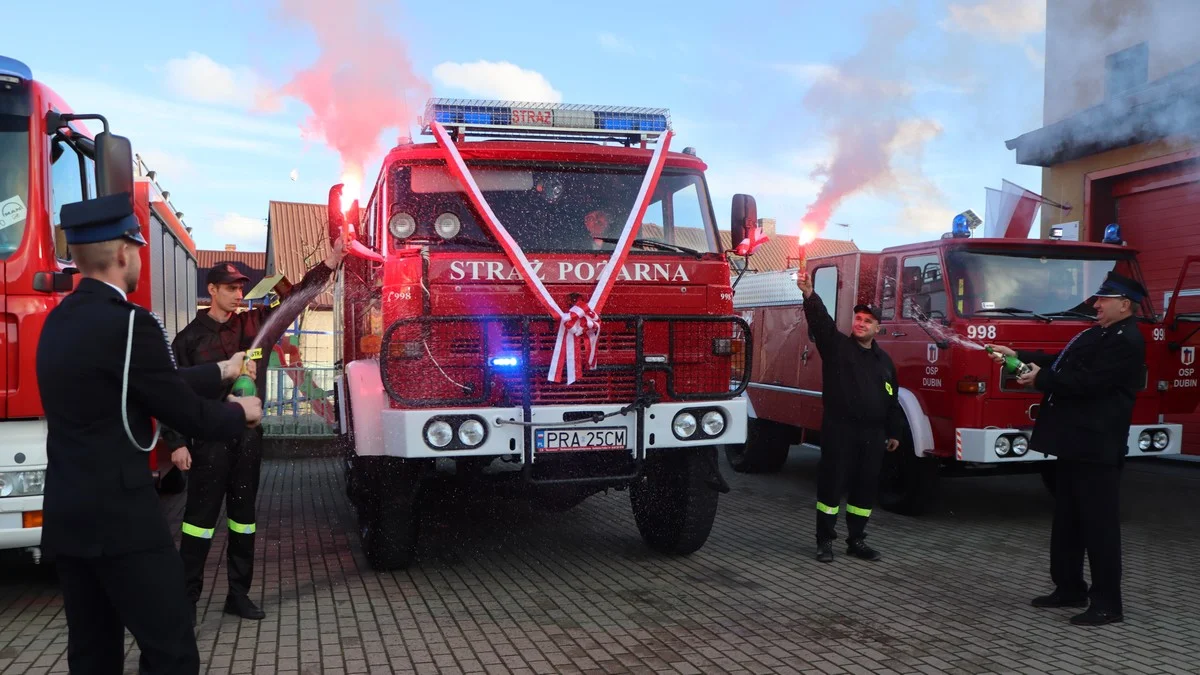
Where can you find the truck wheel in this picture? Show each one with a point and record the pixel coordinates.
(907, 483)
(388, 516)
(674, 502)
(765, 449)
(1050, 477)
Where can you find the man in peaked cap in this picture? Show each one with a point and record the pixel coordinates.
(228, 471)
(861, 419)
(1087, 407)
(105, 373)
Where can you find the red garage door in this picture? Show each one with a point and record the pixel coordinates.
(1160, 216)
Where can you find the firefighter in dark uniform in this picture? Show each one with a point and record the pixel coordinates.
(861, 420)
(228, 471)
(104, 370)
(1087, 407)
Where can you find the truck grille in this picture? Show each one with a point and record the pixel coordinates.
(433, 361)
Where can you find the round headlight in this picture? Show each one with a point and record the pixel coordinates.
(7, 485)
(1003, 446)
(471, 433)
(1020, 446)
(713, 423)
(1161, 439)
(447, 225)
(684, 425)
(1144, 440)
(402, 225)
(439, 434)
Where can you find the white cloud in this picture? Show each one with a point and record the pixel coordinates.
(167, 166)
(198, 78)
(497, 80)
(1001, 20)
(615, 44)
(250, 234)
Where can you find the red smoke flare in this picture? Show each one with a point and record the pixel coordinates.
(361, 84)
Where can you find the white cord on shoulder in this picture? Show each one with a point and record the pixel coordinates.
(125, 392)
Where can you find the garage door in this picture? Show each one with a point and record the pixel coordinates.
(1160, 216)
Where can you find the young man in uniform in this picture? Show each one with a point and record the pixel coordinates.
(104, 371)
(861, 419)
(228, 471)
(1087, 408)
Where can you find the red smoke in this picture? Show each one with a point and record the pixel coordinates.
(361, 84)
(863, 103)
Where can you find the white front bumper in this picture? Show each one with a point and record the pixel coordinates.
(22, 448)
(979, 445)
(403, 431)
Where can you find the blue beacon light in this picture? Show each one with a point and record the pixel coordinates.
(1112, 234)
(960, 228)
(504, 362)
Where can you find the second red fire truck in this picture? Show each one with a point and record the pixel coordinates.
(49, 158)
(941, 302)
(540, 294)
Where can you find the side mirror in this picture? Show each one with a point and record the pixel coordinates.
(743, 217)
(114, 164)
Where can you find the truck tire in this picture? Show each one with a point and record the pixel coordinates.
(674, 502)
(386, 500)
(389, 533)
(765, 449)
(1050, 477)
(907, 483)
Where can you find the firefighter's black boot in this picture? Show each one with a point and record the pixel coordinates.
(825, 552)
(241, 605)
(859, 549)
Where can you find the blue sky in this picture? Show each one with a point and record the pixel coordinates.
(955, 79)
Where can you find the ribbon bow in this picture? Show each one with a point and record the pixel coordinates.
(579, 324)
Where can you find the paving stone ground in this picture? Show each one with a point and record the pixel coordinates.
(499, 588)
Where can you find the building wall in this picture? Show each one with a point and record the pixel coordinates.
(317, 350)
(1064, 183)
(1081, 34)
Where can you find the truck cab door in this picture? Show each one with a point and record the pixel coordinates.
(1181, 332)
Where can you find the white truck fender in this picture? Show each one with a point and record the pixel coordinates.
(367, 400)
(745, 396)
(918, 423)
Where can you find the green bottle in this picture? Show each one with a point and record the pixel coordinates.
(1012, 364)
(244, 384)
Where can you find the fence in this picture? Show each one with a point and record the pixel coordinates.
(299, 402)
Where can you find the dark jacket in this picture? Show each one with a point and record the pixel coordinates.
(858, 385)
(207, 341)
(100, 497)
(1087, 405)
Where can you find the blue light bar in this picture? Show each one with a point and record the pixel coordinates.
(539, 120)
(1112, 234)
(504, 362)
(14, 68)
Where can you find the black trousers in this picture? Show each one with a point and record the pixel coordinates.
(851, 459)
(140, 591)
(226, 472)
(1087, 518)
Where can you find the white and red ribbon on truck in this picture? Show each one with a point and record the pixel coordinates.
(581, 322)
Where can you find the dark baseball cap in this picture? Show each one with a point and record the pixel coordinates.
(868, 309)
(225, 273)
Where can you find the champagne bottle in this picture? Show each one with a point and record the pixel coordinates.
(244, 384)
(1012, 364)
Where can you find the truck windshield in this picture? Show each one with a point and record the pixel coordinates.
(14, 181)
(1018, 283)
(556, 208)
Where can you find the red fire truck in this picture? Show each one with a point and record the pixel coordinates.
(941, 301)
(480, 290)
(49, 158)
